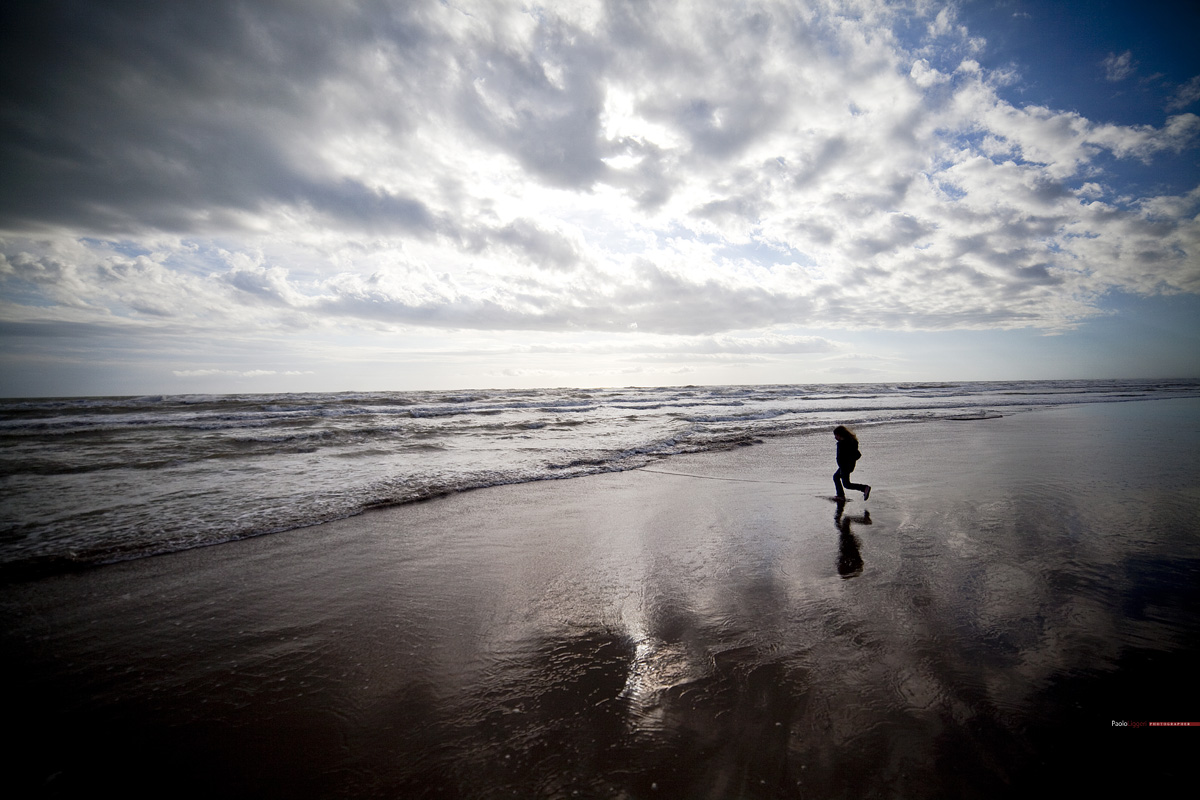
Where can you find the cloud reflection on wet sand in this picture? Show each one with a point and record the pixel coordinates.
(639, 635)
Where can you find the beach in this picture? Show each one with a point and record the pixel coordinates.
(711, 625)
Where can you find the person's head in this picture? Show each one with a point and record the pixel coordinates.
(842, 432)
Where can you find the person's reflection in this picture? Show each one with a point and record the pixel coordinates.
(850, 561)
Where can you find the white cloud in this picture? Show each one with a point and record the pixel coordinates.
(1119, 67)
(670, 173)
(250, 373)
(925, 76)
(1185, 95)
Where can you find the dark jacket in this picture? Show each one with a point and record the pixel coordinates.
(847, 455)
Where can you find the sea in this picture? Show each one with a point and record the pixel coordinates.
(94, 480)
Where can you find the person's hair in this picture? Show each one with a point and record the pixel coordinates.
(845, 433)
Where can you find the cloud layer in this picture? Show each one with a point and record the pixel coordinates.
(638, 168)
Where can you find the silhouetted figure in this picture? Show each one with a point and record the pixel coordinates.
(847, 457)
(850, 562)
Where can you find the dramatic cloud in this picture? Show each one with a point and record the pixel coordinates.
(627, 169)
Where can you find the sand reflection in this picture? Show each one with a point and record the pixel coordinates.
(651, 635)
(850, 562)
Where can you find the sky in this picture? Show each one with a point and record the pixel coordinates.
(279, 196)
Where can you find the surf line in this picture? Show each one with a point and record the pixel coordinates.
(709, 477)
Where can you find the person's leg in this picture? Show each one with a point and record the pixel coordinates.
(837, 483)
(858, 487)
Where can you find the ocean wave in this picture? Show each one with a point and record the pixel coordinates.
(147, 475)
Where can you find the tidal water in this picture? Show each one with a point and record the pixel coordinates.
(97, 480)
(714, 628)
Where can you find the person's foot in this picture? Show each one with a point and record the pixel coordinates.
(866, 493)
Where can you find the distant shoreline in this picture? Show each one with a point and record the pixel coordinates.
(141, 477)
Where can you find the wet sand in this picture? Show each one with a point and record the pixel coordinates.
(723, 631)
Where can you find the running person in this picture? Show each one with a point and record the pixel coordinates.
(847, 457)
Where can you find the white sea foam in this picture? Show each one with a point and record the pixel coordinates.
(91, 480)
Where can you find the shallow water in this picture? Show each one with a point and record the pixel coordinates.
(1012, 585)
(97, 480)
